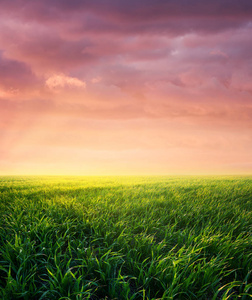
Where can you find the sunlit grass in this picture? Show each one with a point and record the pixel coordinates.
(125, 238)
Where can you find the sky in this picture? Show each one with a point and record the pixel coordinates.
(116, 87)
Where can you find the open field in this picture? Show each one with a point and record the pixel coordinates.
(125, 238)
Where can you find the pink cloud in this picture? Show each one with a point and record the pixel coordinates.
(60, 81)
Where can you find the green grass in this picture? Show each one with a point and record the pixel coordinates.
(125, 238)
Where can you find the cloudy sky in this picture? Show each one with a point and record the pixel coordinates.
(125, 87)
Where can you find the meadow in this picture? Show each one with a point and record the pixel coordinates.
(125, 238)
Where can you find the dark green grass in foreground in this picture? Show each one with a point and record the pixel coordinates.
(125, 238)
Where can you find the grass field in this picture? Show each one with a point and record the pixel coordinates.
(125, 238)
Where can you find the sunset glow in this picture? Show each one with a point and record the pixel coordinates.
(120, 87)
